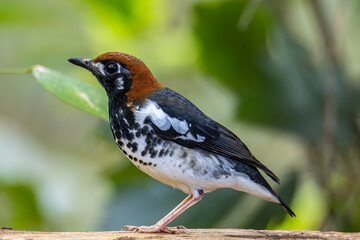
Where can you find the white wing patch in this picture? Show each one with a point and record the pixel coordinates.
(158, 117)
(200, 138)
(179, 126)
(190, 136)
(164, 122)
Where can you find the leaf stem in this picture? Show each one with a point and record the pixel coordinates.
(16, 70)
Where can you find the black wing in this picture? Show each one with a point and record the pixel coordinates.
(201, 131)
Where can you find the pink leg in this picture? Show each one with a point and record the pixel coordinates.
(161, 226)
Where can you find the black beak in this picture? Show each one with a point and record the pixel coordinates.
(82, 62)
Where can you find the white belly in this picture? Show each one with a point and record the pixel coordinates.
(190, 169)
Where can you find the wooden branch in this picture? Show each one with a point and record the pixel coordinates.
(7, 234)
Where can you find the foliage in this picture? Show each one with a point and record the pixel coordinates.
(23, 211)
(82, 95)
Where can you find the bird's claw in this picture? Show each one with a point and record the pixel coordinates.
(155, 229)
(177, 229)
(128, 228)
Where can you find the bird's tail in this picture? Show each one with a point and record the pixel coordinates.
(286, 207)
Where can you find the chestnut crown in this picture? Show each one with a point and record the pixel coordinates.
(121, 75)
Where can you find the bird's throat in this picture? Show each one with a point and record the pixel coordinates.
(122, 119)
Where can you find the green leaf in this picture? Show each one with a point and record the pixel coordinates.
(77, 93)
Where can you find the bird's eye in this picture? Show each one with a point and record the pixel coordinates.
(111, 68)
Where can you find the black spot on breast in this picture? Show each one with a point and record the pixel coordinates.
(120, 143)
(153, 153)
(124, 152)
(143, 153)
(171, 153)
(138, 133)
(150, 163)
(144, 130)
(131, 157)
(155, 165)
(140, 161)
(184, 154)
(134, 147)
(129, 145)
(149, 138)
(150, 143)
(137, 126)
(135, 159)
(145, 163)
(147, 120)
(116, 134)
(166, 152)
(129, 136)
(161, 153)
(217, 174)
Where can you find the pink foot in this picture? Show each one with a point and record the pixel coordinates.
(155, 229)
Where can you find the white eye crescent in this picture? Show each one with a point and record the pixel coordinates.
(119, 83)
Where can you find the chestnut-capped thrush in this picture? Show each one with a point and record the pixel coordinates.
(170, 139)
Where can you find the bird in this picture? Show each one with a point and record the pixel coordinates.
(167, 137)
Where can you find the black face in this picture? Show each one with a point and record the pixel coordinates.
(112, 75)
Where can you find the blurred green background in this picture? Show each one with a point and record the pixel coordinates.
(283, 75)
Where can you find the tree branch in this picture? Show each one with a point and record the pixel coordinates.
(7, 234)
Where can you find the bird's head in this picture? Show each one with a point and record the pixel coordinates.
(121, 74)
